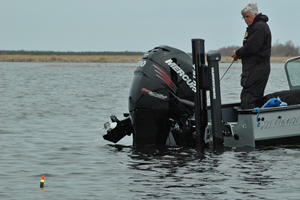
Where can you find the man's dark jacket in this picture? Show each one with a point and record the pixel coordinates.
(255, 55)
(257, 41)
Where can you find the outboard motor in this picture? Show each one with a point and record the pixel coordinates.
(161, 101)
(161, 97)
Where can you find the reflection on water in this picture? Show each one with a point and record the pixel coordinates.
(168, 173)
(231, 174)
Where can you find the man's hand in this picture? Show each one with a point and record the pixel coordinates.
(234, 56)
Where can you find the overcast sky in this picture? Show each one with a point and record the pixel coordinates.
(136, 25)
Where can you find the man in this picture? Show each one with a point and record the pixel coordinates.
(255, 55)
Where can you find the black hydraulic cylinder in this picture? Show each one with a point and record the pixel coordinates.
(215, 102)
(200, 96)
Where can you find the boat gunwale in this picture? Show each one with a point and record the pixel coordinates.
(270, 109)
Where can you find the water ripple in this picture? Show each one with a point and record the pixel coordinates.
(50, 125)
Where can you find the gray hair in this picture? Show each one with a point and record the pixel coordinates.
(250, 7)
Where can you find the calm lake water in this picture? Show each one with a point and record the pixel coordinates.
(52, 116)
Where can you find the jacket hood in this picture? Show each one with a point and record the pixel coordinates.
(261, 17)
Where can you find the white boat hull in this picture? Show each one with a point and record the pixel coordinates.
(267, 126)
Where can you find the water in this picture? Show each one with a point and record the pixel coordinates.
(51, 120)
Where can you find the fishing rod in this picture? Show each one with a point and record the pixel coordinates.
(191, 104)
(223, 74)
(227, 70)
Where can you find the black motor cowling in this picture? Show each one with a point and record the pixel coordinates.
(163, 82)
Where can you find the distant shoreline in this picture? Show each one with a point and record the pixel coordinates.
(98, 58)
(281, 59)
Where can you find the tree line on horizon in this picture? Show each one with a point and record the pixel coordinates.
(278, 49)
(62, 53)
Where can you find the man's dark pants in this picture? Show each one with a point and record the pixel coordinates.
(254, 80)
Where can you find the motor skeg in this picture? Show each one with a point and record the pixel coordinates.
(162, 74)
